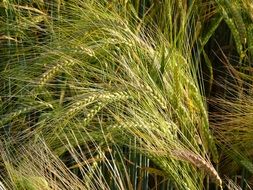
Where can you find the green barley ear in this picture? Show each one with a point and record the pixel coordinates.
(50, 73)
(211, 29)
(234, 9)
(250, 39)
(232, 27)
(233, 18)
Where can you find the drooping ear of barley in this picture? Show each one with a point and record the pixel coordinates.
(199, 162)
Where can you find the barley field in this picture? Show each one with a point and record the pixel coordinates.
(126, 94)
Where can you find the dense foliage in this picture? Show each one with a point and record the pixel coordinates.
(126, 94)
